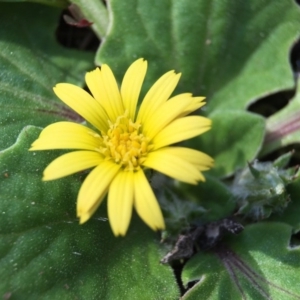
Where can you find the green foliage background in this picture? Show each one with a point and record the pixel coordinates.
(234, 53)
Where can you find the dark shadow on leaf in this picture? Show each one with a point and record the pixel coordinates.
(271, 104)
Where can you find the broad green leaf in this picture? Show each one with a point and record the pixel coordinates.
(257, 264)
(225, 50)
(46, 254)
(234, 139)
(232, 52)
(32, 63)
(283, 128)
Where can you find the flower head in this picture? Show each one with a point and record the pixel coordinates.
(125, 142)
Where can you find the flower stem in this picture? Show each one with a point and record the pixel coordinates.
(96, 12)
(281, 132)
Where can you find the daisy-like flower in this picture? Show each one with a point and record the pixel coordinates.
(125, 142)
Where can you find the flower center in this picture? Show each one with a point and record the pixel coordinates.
(125, 144)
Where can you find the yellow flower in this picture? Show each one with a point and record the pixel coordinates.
(125, 142)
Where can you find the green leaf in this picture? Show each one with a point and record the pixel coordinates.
(283, 128)
(234, 139)
(225, 49)
(31, 64)
(46, 254)
(257, 264)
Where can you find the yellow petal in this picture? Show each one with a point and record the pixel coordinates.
(132, 84)
(83, 103)
(66, 135)
(199, 159)
(181, 129)
(174, 166)
(63, 126)
(88, 214)
(104, 88)
(145, 202)
(95, 187)
(168, 112)
(194, 105)
(71, 163)
(120, 202)
(158, 94)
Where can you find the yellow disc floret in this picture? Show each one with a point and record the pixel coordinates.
(125, 144)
